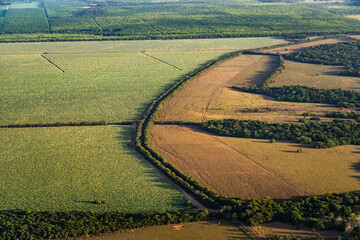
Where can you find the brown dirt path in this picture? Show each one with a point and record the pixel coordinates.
(217, 165)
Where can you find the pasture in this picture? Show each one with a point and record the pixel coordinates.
(313, 172)
(221, 230)
(193, 102)
(210, 97)
(318, 76)
(68, 168)
(217, 165)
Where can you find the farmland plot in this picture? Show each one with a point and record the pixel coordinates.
(27, 20)
(93, 87)
(217, 165)
(68, 168)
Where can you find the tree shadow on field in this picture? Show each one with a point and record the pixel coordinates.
(356, 167)
(151, 173)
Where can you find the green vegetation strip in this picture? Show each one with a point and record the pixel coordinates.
(346, 54)
(69, 124)
(325, 134)
(18, 224)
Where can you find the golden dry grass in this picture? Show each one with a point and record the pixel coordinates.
(301, 46)
(314, 171)
(192, 102)
(217, 165)
(315, 75)
(197, 230)
(270, 229)
(232, 104)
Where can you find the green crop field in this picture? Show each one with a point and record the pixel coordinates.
(139, 45)
(169, 19)
(25, 20)
(99, 86)
(66, 168)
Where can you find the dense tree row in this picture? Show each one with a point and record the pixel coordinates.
(339, 97)
(329, 211)
(63, 124)
(346, 54)
(18, 224)
(349, 115)
(327, 134)
(276, 73)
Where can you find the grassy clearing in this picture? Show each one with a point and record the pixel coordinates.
(139, 45)
(314, 171)
(318, 76)
(221, 230)
(216, 165)
(94, 87)
(68, 167)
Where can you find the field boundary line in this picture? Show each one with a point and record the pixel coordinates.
(143, 52)
(47, 17)
(97, 24)
(52, 63)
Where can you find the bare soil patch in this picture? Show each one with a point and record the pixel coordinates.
(315, 75)
(217, 165)
(301, 46)
(192, 102)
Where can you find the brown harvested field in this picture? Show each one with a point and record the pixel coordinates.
(268, 230)
(217, 165)
(315, 75)
(221, 230)
(301, 46)
(192, 102)
(313, 172)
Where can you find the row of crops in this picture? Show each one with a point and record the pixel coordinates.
(171, 20)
